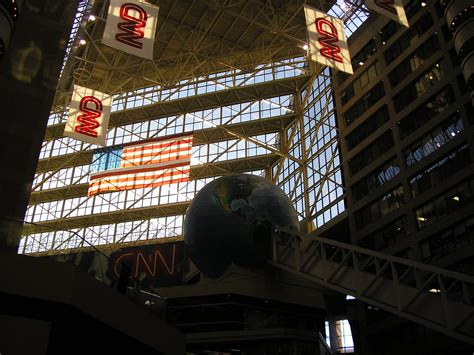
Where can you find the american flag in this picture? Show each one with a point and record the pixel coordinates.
(149, 163)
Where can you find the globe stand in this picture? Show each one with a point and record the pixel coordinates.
(261, 311)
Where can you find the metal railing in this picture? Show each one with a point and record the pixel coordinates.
(434, 297)
(323, 346)
(148, 299)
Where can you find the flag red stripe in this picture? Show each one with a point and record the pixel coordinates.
(153, 184)
(149, 163)
(143, 183)
(130, 164)
(130, 150)
(156, 156)
(145, 159)
(140, 179)
(123, 182)
(138, 170)
(141, 176)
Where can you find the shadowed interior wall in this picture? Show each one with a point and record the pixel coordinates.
(29, 72)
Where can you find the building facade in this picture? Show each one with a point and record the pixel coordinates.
(406, 134)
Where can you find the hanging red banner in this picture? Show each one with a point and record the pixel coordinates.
(327, 40)
(131, 27)
(88, 116)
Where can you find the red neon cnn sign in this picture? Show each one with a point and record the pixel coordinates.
(88, 119)
(132, 28)
(329, 39)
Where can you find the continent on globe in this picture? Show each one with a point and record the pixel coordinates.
(231, 220)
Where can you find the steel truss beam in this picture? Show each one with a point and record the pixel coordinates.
(201, 37)
(137, 214)
(197, 172)
(200, 102)
(276, 32)
(301, 171)
(108, 246)
(352, 7)
(200, 137)
(147, 112)
(436, 298)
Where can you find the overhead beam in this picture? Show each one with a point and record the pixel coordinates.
(240, 165)
(107, 218)
(197, 172)
(229, 96)
(197, 38)
(200, 137)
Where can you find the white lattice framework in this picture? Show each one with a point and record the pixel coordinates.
(275, 119)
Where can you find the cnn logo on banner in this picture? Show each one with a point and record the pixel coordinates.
(131, 27)
(87, 121)
(327, 40)
(131, 31)
(88, 115)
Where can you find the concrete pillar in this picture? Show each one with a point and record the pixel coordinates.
(29, 72)
(333, 334)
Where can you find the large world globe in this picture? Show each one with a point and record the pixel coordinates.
(231, 220)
